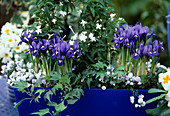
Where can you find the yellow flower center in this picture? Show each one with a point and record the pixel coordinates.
(15, 39)
(166, 79)
(7, 31)
(17, 48)
(6, 55)
(10, 40)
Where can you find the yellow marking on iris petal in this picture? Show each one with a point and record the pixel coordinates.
(35, 51)
(56, 52)
(116, 44)
(71, 48)
(6, 55)
(10, 40)
(136, 54)
(127, 43)
(73, 56)
(42, 46)
(150, 52)
(136, 36)
(53, 54)
(78, 51)
(166, 79)
(51, 45)
(59, 61)
(163, 48)
(121, 38)
(69, 51)
(155, 52)
(17, 48)
(7, 31)
(35, 38)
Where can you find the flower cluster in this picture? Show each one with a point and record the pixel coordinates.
(60, 48)
(141, 102)
(9, 40)
(134, 36)
(22, 72)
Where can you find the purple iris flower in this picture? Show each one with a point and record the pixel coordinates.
(117, 45)
(76, 47)
(151, 34)
(35, 47)
(135, 55)
(160, 47)
(121, 39)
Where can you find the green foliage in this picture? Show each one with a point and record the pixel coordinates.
(154, 90)
(42, 112)
(155, 98)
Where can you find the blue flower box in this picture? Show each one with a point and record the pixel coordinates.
(95, 102)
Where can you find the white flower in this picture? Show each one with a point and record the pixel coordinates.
(92, 37)
(141, 96)
(164, 79)
(74, 37)
(82, 36)
(98, 26)
(132, 99)
(83, 23)
(136, 105)
(34, 80)
(104, 87)
(130, 75)
(63, 13)
(120, 18)
(6, 29)
(38, 30)
(61, 4)
(71, 42)
(112, 16)
(108, 72)
(140, 100)
(143, 104)
(5, 54)
(54, 21)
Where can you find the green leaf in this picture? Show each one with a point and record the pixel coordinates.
(20, 85)
(99, 65)
(89, 80)
(121, 67)
(58, 86)
(155, 99)
(154, 90)
(20, 102)
(92, 11)
(16, 19)
(101, 74)
(58, 107)
(42, 112)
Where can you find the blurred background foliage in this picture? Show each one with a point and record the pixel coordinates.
(151, 13)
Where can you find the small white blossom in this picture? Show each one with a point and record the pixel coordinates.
(98, 26)
(54, 21)
(83, 23)
(103, 87)
(38, 30)
(132, 99)
(63, 13)
(136, 105)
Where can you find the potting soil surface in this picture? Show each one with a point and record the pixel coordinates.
(6, 105)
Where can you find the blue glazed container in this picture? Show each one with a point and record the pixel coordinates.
(26, 108)
(109, 102)
(95, 102)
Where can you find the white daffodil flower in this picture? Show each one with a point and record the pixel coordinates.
(83, 23)
(164, 79)
(98, 26)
